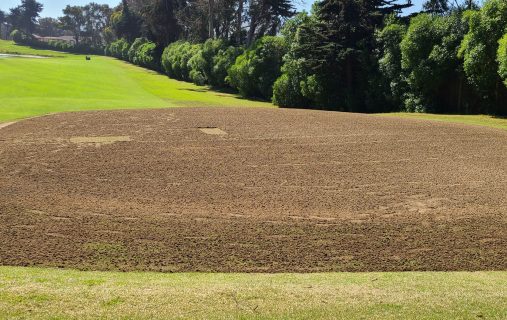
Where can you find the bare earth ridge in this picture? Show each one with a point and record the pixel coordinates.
(251, 190)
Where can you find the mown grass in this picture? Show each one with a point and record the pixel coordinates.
(67, 82)
(67, 294)
(477, 120)
(12, 48)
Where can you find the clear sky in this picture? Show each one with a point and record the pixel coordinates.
(53, 8)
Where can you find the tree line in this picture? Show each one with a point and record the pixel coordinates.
(348, 55)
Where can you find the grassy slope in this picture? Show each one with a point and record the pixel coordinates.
(478, 120)
(11, 47)
(66, 294)
(68, 82)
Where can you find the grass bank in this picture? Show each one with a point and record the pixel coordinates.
(67, 294)
(477, 120)
(67, 82)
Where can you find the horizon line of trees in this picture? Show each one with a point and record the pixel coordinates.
(348, 55)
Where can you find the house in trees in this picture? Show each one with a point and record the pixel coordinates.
(67, 39)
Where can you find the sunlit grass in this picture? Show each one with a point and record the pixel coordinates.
(67, 294)
(67, 82)
(478, 120)
(11, 47)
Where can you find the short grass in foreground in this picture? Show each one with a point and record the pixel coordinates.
(479, 120)
(67, 294)
(67, 82)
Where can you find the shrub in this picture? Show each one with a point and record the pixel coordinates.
(148, 56)
(201, 63)
(256, 70)
(196, 71)
(287, 90)
(429, 58)
(21, 37)
(222, 62)
(133, 50)
(210, 64)
(502, 58)
(479, 51)
(394, 80)
(119, 49)
(176, 57)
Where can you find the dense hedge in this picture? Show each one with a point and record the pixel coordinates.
(202, 64)
(176, 58)
(502, 58)
(57, 45)
(118, 49)
(141, 52)
(210, 65)
(215, 63)
(133, 50)
(256, 70)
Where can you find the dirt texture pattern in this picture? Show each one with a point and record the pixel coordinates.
(251, 190)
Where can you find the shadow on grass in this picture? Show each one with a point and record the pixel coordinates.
(194, 90)
(223, 92)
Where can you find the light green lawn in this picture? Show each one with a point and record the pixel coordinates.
(11, 47)
(67, 82)
(478, 120)
(67, 294)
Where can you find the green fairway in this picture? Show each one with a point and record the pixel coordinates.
(478, 120)
(11, 47)
(67, 82)
(67, 294)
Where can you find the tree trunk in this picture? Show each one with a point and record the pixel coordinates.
(239, 22)
(350, 105)
(253, 23)
(251, 31)
(211, 18)
(76, 37)
(497, 96)
(460, 94)
(349, 73)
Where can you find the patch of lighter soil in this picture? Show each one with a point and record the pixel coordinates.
(6, 124)
(10, 55)
(99, 141)
(213, 131)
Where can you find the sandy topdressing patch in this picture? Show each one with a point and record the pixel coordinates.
(99, 141)
(283, 190)
(5, 124)
(9, 55)
(213, 131)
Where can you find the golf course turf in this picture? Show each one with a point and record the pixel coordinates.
(33, 293)
(67, 82)
(237, 189)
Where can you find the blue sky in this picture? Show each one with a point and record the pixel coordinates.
(53, 8)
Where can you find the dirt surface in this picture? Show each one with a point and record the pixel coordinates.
(255, 190)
